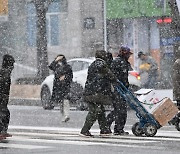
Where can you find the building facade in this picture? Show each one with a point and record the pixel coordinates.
(76, 29)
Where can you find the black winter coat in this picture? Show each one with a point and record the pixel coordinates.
(5, 83)
(120, 67)
(99, 79)
(176, 80)
(61, 89)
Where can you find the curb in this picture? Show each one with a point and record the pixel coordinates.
(31, 102)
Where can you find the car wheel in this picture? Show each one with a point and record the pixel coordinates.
(45, 97)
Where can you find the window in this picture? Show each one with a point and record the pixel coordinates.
(85, 65)
(52, 29)
(76, 65)
(31, 30)
(52, 20)
(79, 65)
(31, 25)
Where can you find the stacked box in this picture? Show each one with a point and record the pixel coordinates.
(165, 112)
(163, 109)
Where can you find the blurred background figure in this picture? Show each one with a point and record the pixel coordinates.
(148, 70)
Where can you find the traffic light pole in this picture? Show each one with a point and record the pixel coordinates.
(105, 25)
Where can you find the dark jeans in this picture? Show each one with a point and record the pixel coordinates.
(178, 104)
(4, 120)
(119, 114)
(96, 112)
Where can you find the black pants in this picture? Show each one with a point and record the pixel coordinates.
(178, 104)
(119, 114)
(4, 120)
(96, 112)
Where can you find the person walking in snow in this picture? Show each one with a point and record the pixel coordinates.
(176, 88)
(120, 67)
(176, 82)
(63, 76)
(5, 83)
(96, 94)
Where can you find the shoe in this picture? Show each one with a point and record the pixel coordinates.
(105, 133)
(6, 135)
(2, 137)
(121, 133)
(86, 134)
(49, 107)
(66, 119)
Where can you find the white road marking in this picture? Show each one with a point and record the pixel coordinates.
(78, 138)
(84, 141)
(129, 139)
(45, 128)
(22, 146)
(75, 131)
(70, 136)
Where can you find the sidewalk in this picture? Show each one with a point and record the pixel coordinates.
(25, 95)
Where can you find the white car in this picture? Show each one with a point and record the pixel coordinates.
(80, 68)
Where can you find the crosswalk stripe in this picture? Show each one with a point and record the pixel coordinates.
(73, 142)
(53, 136)
(155, 138)
(64, 128)
(78, 138)
(51, 141)
(22, 146)
(75, 131)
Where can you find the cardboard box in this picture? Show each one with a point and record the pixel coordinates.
(150, 99)
(165, 111)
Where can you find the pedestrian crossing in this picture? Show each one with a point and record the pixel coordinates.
(26, 137)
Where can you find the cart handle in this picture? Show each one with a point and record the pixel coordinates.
(122, 88)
